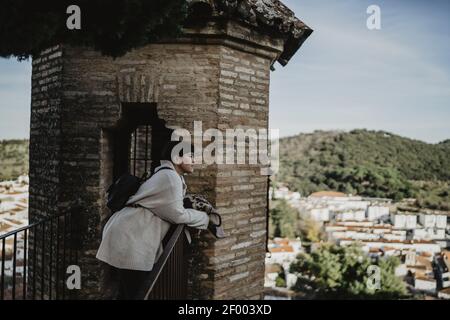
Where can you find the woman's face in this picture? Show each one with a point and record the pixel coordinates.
(187, 163)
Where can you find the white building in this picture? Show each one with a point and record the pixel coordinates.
(285, 193)
(419, 246)
(401, 270)
(425, 285)
(444, 294)
(429, 220)
(404, 221)
(428, 234)
(320, 214)
(377, 212)
(410, 258)
(283, 251)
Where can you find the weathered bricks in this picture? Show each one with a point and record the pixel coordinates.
(78, 97)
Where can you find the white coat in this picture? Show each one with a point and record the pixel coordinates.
(132, 238)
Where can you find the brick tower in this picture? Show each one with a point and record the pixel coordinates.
(217, 72)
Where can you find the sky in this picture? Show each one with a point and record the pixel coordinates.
(344, 77)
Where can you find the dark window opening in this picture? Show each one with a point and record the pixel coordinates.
(139, 139)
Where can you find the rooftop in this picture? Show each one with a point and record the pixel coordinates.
(446, 291)
(328, 194)
(273, 267)
(282, 249)
(392, 241)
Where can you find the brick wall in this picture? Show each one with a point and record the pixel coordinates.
(77, 102)
(46, 132)
(45, 151)
(241, 191)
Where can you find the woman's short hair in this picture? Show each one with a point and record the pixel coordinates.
(181, 148)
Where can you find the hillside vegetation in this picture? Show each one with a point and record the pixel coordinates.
(370, 163)
(13, 158)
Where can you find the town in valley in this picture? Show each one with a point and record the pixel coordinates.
(420, 239)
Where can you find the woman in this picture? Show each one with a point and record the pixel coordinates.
(132, 238)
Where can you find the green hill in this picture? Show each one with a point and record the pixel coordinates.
(445, 143)
(370, 163)
(13, 158)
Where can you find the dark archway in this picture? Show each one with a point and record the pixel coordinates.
(139, 139)
(133, 146)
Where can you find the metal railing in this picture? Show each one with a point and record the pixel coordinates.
(169, 278)
(34, 259)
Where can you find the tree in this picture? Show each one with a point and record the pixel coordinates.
(280, 281)
(370, 181)
(310, 230)
(283, 220)
(334, 272)
(112, 27)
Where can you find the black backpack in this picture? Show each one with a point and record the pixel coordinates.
(123, 189)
